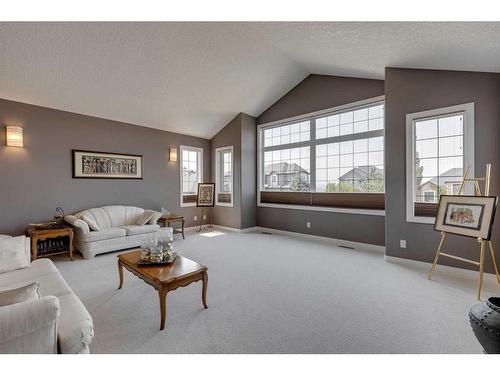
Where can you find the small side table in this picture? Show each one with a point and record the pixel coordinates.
(42, 236)
(173, 218)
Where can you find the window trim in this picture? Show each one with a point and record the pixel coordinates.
(200, 168)
(302, 117)
(468, 133)
(217, 173)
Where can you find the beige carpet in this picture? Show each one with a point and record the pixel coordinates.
(280, 294)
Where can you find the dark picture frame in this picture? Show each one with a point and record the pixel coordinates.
(106, 165)
(206, 194)
(470, 216)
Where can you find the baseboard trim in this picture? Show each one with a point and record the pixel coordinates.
(398, 260)
(230, 229)
(335, 241)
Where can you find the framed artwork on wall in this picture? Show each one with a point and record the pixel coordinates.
(93, 164)
(206, 195)
(470, 216)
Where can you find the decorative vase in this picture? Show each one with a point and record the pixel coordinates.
(485, 321)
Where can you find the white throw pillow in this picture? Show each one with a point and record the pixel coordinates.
(19, 294)
(13, 254)
(91, 222)
(144, 218)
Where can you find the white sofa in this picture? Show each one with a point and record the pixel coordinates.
(57, 322)
(117, 229)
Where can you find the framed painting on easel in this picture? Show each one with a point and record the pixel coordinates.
(470, 216)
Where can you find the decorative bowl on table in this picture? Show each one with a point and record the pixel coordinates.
(156, 253)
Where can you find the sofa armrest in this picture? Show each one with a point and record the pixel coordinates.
(77, 223)
(30, 327)
(154, 218)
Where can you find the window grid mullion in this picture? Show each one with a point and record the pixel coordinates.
(312, 156)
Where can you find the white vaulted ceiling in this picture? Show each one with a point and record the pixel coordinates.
(195, 77)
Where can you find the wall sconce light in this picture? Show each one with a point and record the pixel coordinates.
(173, 154)
(14, 136)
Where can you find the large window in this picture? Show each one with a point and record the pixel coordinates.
(340, 150)
(224, 176)
(439, 146)
(191, 174)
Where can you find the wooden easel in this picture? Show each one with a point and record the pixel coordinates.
(209, 227)
(482, 243)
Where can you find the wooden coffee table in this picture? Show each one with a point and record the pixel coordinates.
(165, 278)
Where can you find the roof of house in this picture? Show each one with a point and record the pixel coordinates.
(284, 167)
(451, 175)
(360, 173)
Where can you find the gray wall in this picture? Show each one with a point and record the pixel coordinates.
(248, 171)
(413, 90)
(241, 134)
(315, 93)
(34, 180)
(230, 135)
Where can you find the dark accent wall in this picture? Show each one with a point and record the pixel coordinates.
(34, 180)
(241, 134)
(414, 90)
(248, 171)
(318, 92)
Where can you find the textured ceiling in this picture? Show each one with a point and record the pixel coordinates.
(193, 78)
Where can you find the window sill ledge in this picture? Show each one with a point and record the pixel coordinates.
(217, 204)
(421, 219)
(355, 211)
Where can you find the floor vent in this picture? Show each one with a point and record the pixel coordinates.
(347, 247)
(266, 232)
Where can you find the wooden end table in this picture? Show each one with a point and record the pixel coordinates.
(42, 234)
(173, 218)
(165, 278)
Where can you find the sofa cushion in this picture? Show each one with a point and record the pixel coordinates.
(13, 254)
(53, 285)
(132, 230)
(100, 217)
(144, 218)
(90, 221)
(37, 269)
(104, 234)
(22, 293)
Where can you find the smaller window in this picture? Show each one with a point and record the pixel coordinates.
(224, 176)
(191, 174)
(439, 146)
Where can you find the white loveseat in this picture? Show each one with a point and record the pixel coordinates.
(115, 228)
(57, 322)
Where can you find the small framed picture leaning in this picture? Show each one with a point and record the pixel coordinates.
(470, 216)
(92, 164)
(206, 195)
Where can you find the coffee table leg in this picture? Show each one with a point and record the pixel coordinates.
(204, 291)
(120, 272)
(162, 294)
